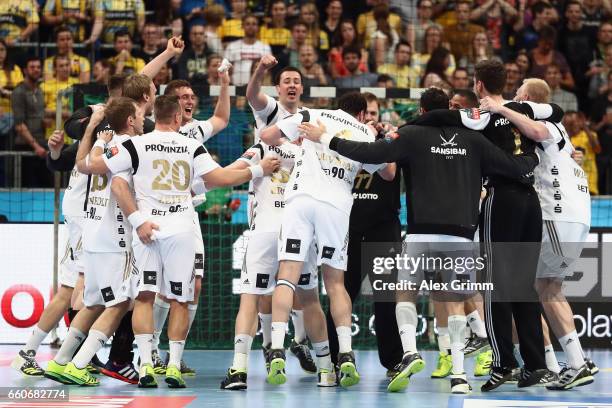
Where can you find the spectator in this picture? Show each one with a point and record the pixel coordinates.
(601, 121)
(513, 80)
(598, 84)
(586, 141)
(241, 53)
(403, 74)
(163, 76)
(432, 40)
(564, 99)
(314, 35)
(345, 37)
(77, 16)
(102, 71)
(460, 36)
(437, 68)
(333, 16)
(28, 106)
(192, 62)
(214, 18)
(19, 20)
(351, 57)
(595, 13)
(463, 99)
(231, 28)
(388, 113)
(79, 66)
(124, 62)
(151, 43)
(113, 17)
(542, 14)
(168, 18)
(212, 64)
(479, 50)
(524, 64)
(384, 39)
(192, 12)
(275, 33)
(460, 79)
(366, 23)
(312, 72)
(10, 77)
(497, 16)
(604, 38)
(51, 88)
(545, 54)
(416, 31)
(298, 38)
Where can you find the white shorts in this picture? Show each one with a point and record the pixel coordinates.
(105, 274)
(165, 266)
(198, 265)
(307, 221)
(71, 263)
(562, 243)
(260, 266)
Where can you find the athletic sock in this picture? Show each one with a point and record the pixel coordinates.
(95, 341)
(145, 345)
(551, 359)
(476, 324)
(456, 328)
(73, 340)
(444, 343)
(322, 352)
(160, 314)
(35, 339)
(192, 308)
(242, 345)
(297, 317)
(406, 315)
(176, 352)
(517, 354)
(344, 339)
(278, 330)
(266, 327)
(571, 346)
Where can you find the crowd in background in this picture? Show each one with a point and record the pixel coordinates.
(342, 43)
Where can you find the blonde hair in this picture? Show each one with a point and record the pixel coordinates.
(538, 90)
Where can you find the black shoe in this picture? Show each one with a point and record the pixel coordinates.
(302, 352)
(570, 378)
(459, 384)
(392, 372)
(591, 366)
(475, 345)
(266, 349)
(277, 363)
(411, 364)
(348, 370)
(234, 380)
(541, 376)
(498, 377)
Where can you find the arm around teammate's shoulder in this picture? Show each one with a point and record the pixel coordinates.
(394, 147)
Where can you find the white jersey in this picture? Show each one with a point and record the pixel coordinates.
(106, 229)
(242, 56)
(268, 201)
(163, 165)
(200, 130)
(561, 184)
(319, 171)
(73, 203)
(269, 115)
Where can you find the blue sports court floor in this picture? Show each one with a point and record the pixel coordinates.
(301, 390)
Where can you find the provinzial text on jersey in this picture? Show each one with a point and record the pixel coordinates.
(166, 149)
(364, 129)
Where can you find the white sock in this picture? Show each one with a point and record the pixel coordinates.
(406, 315)
(297, 317)
(476, 324)
(242, 345)
(145, 345)
(444, 343)
(73, 339)
(160, 314)
(266, 327)
(278, 330)
(551, 359)
(176, 352)
(322, 352)
(192, 309)
(571, 346)
(456, 328)
(35, 339)
(344, 339)
(517, 354)
(95, 341)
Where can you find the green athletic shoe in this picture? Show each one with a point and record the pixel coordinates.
(411, 364)
(159, 367)
(445, 366)
(276, 360)
(25, 362)
(55, 372)
(174, 378)
(482, 367)
(146, 377)
(348, 371)
(80, 376)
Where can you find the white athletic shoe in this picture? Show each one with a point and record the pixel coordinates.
(459, 384)
(327, 378)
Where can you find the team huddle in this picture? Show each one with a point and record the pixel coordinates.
(135, 253)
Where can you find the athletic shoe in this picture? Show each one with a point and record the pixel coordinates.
(548, 379)
(445, 366)
(55, 372)
(411, 364)
(159, 367)
(571, 377)
(302, 352)
(348, 370)
(123, 372)
(146, 377)
(541, 376)
(516, 376)
(266, 350)
(174, 378)
(80, 376)
(95, 366)
(276, 362)
(497, 378)
(234, 380)
(26, 363)
(483, 362)
(475, 345)
(392, 372)
(591, 366)
(327, 378)
(185, 370)
(459, 384)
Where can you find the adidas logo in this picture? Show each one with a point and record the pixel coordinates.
(239, 341)
(569, 341)
(101, 342)
(472, 319)
(563, 265)
(246, 282)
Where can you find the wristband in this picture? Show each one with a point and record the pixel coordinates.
(100, 143)
(325, 139)
(136, 219)
(256, 171)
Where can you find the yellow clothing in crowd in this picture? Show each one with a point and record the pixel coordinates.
(15, 16)
(78, 64)
(366, 25)
(9, 81)
(119, 15)
(581, 140)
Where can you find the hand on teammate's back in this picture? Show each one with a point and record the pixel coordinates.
(312, 132)
(105, 135)
(270, 165)
(146, 232)
(490, 105)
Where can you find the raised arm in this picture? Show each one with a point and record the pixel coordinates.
(220, 117)
(174, 48)
(256, 98)
(60, 158)
(94, 164)
(530, 128)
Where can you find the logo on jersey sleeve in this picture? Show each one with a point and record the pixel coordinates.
(176, 288)
(112, 151)
(293, 246)
(262, 281)
(107, 294)
(304, 279)
(472, 113)
(328, 252)
(150, 277)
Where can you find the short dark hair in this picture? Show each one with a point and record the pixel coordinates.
(573, 3)
(492, 74)
(118, 111)
(350, 50)
(297, 23)
(122, 33)
(59, 57)
(470, 96)
(249, 15)
(31, 58)
(166, 106)
(116, 82)
(539, 7)
(460, 69)
(384, 78)
(175, 84)
(61, 29)
(434, 98)
(353, 103)
(277, 77)
(370, 97)
(400, 43)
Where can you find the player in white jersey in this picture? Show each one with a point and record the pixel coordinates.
(566, 212)
(318, 205)
(163, 163)
(267, 111)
